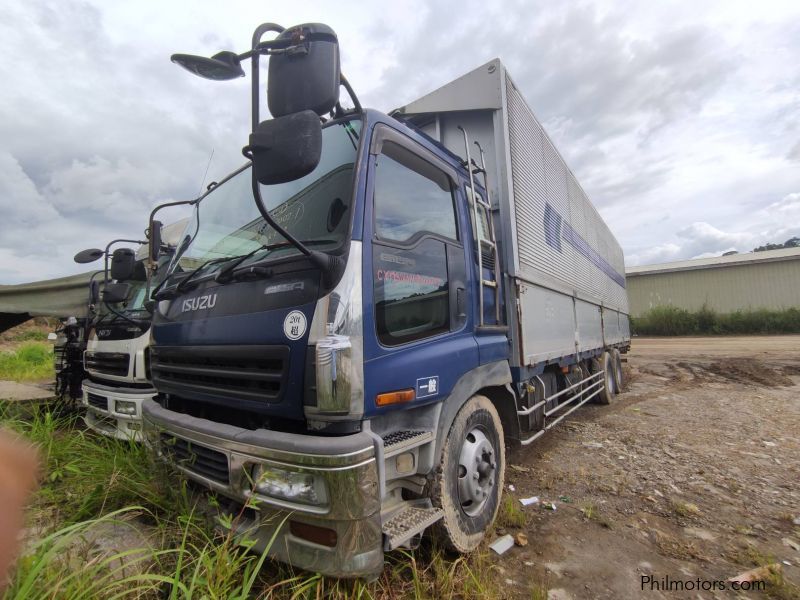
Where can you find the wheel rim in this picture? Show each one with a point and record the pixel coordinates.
(477, 470)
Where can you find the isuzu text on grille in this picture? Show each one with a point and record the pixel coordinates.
(199, 303)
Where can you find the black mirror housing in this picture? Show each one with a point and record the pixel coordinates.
(87, 256)
(116, 292)
(285, 148)
(123, 264)
(154, 240)
(307, 76)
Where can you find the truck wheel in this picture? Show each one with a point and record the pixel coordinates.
(469, 481)
(619, 376)
(605, 366)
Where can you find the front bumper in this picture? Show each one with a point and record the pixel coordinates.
(102, 417)
(222, 458)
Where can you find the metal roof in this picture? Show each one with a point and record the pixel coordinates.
(733, 260)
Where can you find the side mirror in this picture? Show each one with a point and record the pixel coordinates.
(139, 271)
(149, 306)
(307, 76)
(116, 292)
(123, 264)
(285, 148)
(89, 255)
(154, 240)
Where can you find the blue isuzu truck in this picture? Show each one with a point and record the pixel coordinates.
(358, 321)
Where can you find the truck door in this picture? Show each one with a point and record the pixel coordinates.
(416, 279)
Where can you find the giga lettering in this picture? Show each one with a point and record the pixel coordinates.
(199, 302)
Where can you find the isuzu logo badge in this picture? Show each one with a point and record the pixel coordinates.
(199, 303)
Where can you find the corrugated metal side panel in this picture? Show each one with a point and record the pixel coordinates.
(589, 332)
(770, 285)
(560, 235)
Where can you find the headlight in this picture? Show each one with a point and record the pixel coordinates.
(293, 486)
(126, 407)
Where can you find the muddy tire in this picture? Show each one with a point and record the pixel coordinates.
(605, 365)
(469, 480)
(619, 375)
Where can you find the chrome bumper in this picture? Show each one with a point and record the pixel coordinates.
(109, 422)
(346, 464)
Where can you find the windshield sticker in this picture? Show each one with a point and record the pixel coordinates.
(418, 278)
(294, 326)
(427, 386)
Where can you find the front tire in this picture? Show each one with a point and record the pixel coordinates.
(469, 481)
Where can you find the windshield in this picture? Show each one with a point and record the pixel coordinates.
(316, 209)
(137, 295)
(134, 303)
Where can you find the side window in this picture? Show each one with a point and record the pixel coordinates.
(411, 292)
(411, 196)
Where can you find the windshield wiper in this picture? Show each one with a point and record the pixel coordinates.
(181, 285)
(225, 274)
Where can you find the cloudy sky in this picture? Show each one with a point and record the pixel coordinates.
(681, 120)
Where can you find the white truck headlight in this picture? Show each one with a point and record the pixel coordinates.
(293, 486)
(125, 407)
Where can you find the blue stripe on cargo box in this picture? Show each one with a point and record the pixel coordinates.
(555, 224)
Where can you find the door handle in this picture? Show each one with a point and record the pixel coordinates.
(461, 302)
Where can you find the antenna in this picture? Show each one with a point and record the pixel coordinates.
(208, 166)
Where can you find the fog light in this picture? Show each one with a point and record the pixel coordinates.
(289, 485)
(126, 407)
(313, 533)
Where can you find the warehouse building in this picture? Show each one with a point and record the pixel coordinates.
(769, 279)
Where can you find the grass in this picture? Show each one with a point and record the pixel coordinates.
(184, 547)
(31, 361)
(672, 321)
(511, 513)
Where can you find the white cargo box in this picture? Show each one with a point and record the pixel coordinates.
(563, 267)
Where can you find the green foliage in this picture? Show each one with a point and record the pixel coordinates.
(92, 485)
(28, 335)
(670, 320)
(793, 242)
(31, 361)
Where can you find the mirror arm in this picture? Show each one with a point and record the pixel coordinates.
(329, 265)
(254, 90)
(105, 255)
(151, 263)
(349, 88)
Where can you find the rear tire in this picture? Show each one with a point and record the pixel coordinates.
(619, 375)
(605, 365)
(469, 481)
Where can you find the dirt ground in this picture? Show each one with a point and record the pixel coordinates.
(694, 472)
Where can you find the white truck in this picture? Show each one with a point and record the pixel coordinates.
(116, 360)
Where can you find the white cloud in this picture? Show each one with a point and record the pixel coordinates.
(681, 121)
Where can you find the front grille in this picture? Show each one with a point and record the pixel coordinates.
(110, 363)
(196, 458)
(97, 401)
(240, 372)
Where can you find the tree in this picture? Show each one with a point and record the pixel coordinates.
(793, 242)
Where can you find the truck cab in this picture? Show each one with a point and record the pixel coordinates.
(116, 366)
